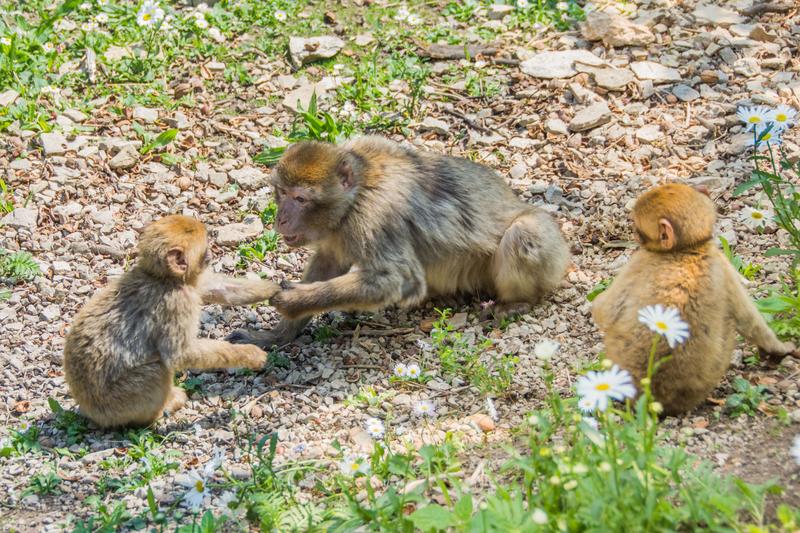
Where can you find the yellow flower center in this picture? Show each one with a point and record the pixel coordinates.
(767, 136)
(756, 215)
(147, 16)
(781, 117)
(354, 467)
(602, 386)
(662, 326)
(199, 487)
(754, 120)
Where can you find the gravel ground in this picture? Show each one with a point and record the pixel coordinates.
(568, 143)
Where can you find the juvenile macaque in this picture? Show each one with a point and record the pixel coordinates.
(679, 266)
(391, 225)
(127, 342)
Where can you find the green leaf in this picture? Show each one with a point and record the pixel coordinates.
(151, 501)
(463, 508)
(431, 518)
(747, 186)
(54, 405)
(780, 251)
(165, 137)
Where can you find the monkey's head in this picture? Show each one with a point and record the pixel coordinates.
(174, 247)
(673, 217)
(315, 186)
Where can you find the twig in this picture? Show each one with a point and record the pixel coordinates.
(451, 391)
(762, 8)
(364, 367)
(469, 122)
(378, 332)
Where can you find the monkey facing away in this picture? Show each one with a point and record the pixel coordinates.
(125, 345)
(679, 266)
(392, 225)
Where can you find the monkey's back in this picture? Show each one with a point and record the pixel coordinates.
(114, 340)
(692, 282)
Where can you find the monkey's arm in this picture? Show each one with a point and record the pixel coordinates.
(206, 354)
(320, 267)
(749, 322)
(226, 290)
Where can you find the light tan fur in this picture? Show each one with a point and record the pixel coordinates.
(678, 266)
(393, 226)
(127, 342)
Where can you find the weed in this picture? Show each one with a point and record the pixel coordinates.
(43, 483)
(151, 142)
(782, 308)
(24, 439)
(6, 198)
(258, 249)
(746, 399)
(599, 288)
(367, 396)
(268, 214)
(71, 423)
(18, 266)
(325, 332)
(748, 270)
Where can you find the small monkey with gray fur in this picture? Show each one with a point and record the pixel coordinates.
(392, 225)
(126, 343)
(679, 266)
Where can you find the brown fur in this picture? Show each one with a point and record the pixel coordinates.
(692, 276)
(391, 225)
(125, 345)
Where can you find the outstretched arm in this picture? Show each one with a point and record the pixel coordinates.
(226, 290)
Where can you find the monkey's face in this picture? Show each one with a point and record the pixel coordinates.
(297, 210)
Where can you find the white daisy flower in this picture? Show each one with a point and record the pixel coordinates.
(24, 426)
(783, 116)
(375, 428)
(202, 6)
(228, 501)
(413, 371)
(754, 117)
(599, 387)
(49, 89)
(796, 449)
(102, 3)
(562, 6)
(86, 6)
(149, 14)
(215, 34)
(591, 422)
(48, 47)
(402, 14)
(201, 23)
(400, 370)
(5, 41)
(424, 408)
(665, 321)
(280, 15)
(490, 408)
(755, 218)
(89, 26)
(101, 18)
(604, 466)
(546, 349)
(523, 4)
(413, 19)
(539, 517)
(766, 139)
(353, 465)
(587, 405)
(216, 461)
(198, 489)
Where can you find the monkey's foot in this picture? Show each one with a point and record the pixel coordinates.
(502, 311)
(177, 399)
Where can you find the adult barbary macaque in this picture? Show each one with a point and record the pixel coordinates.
(679, 266)
(391, 225)
(127, 342)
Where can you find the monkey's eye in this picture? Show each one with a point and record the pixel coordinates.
(300, 199)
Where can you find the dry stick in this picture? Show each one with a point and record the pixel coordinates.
(378, 332)
(759, 9)
(469, 122)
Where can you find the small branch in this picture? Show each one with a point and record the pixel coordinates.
(471, 123)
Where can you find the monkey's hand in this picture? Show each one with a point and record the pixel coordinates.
(284, 333)
(788, 348)
(251, 356)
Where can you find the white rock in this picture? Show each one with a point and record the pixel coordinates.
(615, 30)
(301, 97)
(126, 158)
(590, 117)
(613, 79)
(435, 125)
(21, 218)
(559, 64)
(498, 11)
(363, 39)
(75, 115)
(657, 73)
(8, 97)
(249, 178)
(556, 126)
(716, 15)
(50, 313)
(518, 171)
(145, 114)
(305, 50)
(747, 66)
(650, 133)
(53, 143)
(232, 234)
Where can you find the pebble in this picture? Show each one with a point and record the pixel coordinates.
(126, 158)
(21, 218)
(249, 178)
(590, 117)
(655, 72)
(558, 64)
(145, 114)
(306, 50)
(556, 126)
(233, 234)
(53, 144)
(685, 93)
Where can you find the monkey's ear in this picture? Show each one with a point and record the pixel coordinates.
(666, 234)
(346, 170)
(703, 189)
(176, 262)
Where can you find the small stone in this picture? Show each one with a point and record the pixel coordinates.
(650, 133)
(8, 97)
(613, 79)
(75, 115)
(482, 422)
(499, 11)
(685, 93)
(558, 64)
(50, 313)
(53, 144)
(657, 73)
(556, 126)
(215, 66)
(145, 114)
(518, 171)
(233, 234)
(435, 125)
(747, 67)
(715, 184)
(286, 82)
(459, 320)
(249, 178)
(115, 53)
(710, 77)
(305, 50)
(126, 158)
(363, 39)
(716, 15)
(615, 30)
(21, 218)
(590, 117)
(484, 140)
